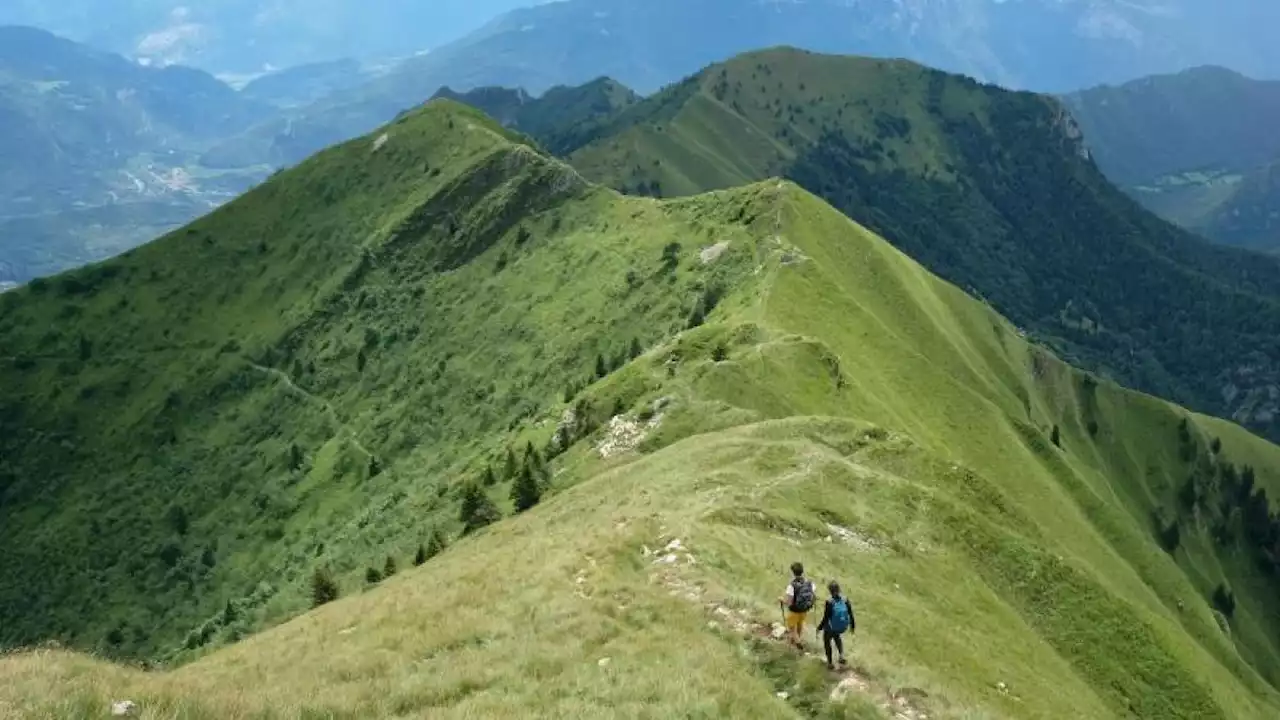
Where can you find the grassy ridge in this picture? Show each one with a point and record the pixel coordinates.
(990, 189)
(842, 406)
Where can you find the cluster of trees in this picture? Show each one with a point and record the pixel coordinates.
(324, 586)
(1228, 499)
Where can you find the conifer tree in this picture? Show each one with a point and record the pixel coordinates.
(372, 576)
(389, 568)
(323, 587)
(436, 544)
(421, 556)
(477, 509)
(512, 467)
(526, 493)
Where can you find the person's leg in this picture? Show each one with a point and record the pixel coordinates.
(840, 647)
(826, 646)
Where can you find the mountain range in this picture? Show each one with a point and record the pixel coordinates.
(284, 116)
(98, 154)
(1198, 147)
(533, 447)
(1045, 45)
(992, 190)
(243, 37)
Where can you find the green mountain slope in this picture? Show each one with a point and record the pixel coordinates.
(560, 118)
(990, 189)
(807, 392)
(1195, 147)
(265, 368)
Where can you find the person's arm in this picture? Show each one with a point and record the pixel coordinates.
(787, 596)
(826, 616)
(853, 619)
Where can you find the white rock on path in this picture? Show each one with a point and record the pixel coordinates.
(123, 708)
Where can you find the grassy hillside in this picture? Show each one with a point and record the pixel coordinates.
(201, 421)
(837, 404)
(990, 189)
(1197, 147)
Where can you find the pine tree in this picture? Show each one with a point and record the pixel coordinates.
(1056, 436)
(323, 587)
(602, 368)
(1224, 600)
(1216, 446)
(436, 544)
(635, 351)
(375, 467)
(512, 467)
(421, 556)
(526, 493)
(477, 509)
(487, 478)
(372, 576)
(389, 568)
(531, 456)
(295, 456)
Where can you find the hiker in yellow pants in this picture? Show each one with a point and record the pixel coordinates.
(797, 600)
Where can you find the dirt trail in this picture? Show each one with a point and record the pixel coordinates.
(328, 406)
(674, 557)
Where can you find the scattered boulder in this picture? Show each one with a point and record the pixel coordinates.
(603, 662)
(123, 708)
(713, 253)
(853, 538)
(625, 435)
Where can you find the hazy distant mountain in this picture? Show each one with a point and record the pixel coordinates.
(1038, 44)
(247, 36)
(82, 130)
(1200, 147)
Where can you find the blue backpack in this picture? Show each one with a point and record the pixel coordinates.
(841, 616)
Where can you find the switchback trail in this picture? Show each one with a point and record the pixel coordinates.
(288, 382)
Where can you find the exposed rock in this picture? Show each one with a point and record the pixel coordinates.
(603, 662)
(625, 435)
(713, 253)
(851, 537)
(123, 708)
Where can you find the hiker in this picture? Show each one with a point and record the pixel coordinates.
(797, 600)
(837, 616)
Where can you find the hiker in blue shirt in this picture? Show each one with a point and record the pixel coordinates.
(837, 616)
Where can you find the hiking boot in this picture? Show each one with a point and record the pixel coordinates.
(830, 665)
(842, 661)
